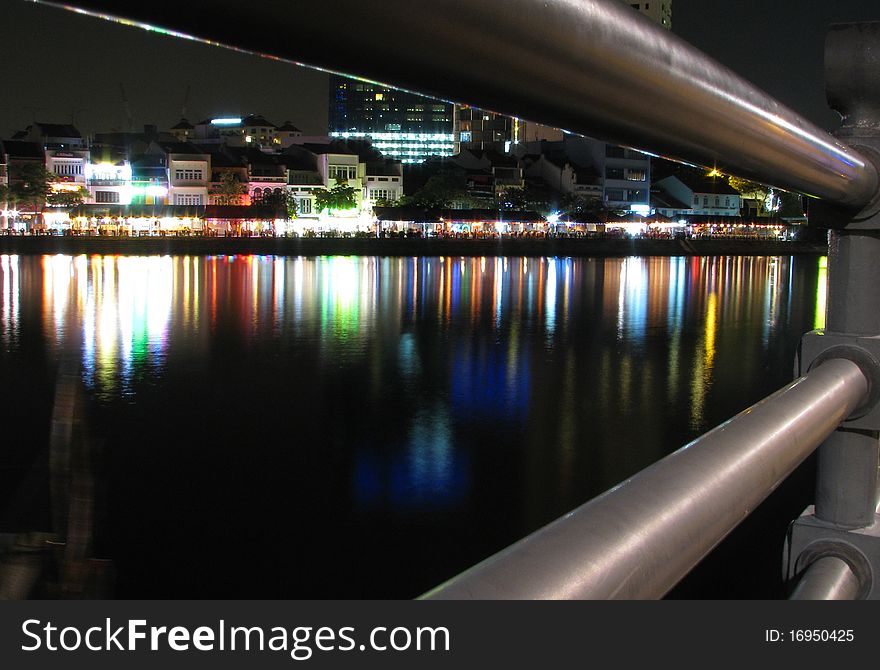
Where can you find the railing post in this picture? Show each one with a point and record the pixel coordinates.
(847, 478)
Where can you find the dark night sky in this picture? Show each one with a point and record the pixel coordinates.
(58, 65)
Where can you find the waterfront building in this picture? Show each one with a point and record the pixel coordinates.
(482, 130)
(183, 131)
(627, 177)
(225, 166)
(703, 194)
(286, 134)
(382, 176)
(303, 179)
(624, 175)
(267, 176)
(109, 178)
(55, 136)
(383, 182)
(564, 175)
(17, 154)
(251, 130)
(149, 179)
(188, 170)
(401, 125)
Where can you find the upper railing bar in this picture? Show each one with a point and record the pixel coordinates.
(594, 67)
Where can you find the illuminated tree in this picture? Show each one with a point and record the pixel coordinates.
(8, 201)
(31, 185)
(230, 190)
(752, 190)
(7, 196)
(68, 198)
(339, 197)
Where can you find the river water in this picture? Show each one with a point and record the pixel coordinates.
(289, 427)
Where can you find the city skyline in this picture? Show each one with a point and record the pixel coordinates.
(81, 82)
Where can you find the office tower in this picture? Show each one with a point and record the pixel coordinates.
(401, 125)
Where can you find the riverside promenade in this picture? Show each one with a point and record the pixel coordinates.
(301, 246)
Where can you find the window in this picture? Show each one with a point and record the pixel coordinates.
(696, 199)
(380, 194)
(635, 6)
(342, 172)
(106, 196)
(636, 175)
(705, 201)
(188, 175)
(717, 201)
(613, 173)
(382, 179)
(187, 199)
(634, 195)
(67, 169)
(727, 202)
(304, 205)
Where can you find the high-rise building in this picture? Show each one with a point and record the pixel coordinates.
(402, 125)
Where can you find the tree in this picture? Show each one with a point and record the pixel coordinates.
(292, 205)
(31, 185)
(7, 197)
(763, 195)
(340, 197)
(440, 191)
(573, 204)
(230, 190)
(790, 204)
(7, 201)
(68, 198)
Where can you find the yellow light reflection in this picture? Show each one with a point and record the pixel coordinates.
(821, 293)
(702, 379)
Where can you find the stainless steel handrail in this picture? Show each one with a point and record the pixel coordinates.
(828, 578)
(594, 67)
(639, 539)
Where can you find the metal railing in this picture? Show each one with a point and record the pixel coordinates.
(641, 537)
(588, 67)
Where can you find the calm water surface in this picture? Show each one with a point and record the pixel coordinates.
(368, 427)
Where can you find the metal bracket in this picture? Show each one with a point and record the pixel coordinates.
(819, 345)
(809, 539)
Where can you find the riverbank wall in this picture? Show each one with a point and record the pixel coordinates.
(298, 246)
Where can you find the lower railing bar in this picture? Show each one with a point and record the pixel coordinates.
(827, 578)
(831, 577)
(641, 537)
